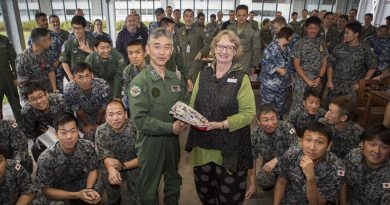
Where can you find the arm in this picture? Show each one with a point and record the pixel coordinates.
(118, 78)
(66, 68)
(100, 116)
(91, 179)
(344, 195)
(280, 188)
(65, 58)
(329, 74)
(131, 164)
(52, 79)
(25, 199)
(300, 71)
(251, 181)
(83, 116)
(12, 58)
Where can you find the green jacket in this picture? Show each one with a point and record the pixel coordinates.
(71, 54)
(7, 59)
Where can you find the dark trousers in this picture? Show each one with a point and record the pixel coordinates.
(215, 185)
(8, 89)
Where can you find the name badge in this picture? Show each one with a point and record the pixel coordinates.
(175, 88)
(232, 80)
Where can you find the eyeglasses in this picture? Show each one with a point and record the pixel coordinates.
(36, 99)
(229, 49)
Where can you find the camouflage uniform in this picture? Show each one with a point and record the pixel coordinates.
(266, 37)
(12, 137)
(64, 35)
(102, 35)
(110, 69)
(35, 122)
(60, 73)
(71, 54)
(270, 146)
(120, 146)
(381, 48)
(55, 46)
(128, 75)
(254, 25)
(33, 68)
(366, 186)
(329, 173)
(58, 170)
(16, 182)
(300, 118)
(213, 29)
(329, 37)
(250, 42)
(350, 64)
(273, 86)
(310, 53)
(367, 32)
(91, 101)
(296, 26)
(346, 140)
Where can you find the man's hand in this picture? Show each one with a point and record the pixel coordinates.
(330, 85)
(281, 71)
(179, 127)
(317, 82)
(114, 176)
(307, 166)
(310, 82)
(269, 166)
(190, 85)
(89, 196)
(198, 57)
(88, 129)
(355, 87)
(85, 47)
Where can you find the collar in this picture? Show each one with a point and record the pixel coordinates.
(155, 76)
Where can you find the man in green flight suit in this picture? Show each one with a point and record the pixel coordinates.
(8, 78)
(249, 39)
(152, 94)
(75, 50)
(107, 63)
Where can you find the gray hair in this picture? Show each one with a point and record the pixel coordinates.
(160, 32)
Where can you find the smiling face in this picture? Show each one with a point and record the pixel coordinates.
(55, 23)
(131, 23)
(116, 116)
(42, 22)
(78, 31)
(268, 122)
(136, 55)
(104, 50)
(375, 152)
(314, 145)
(224, 50)
(160, 50)
(350, 36)
(312, 30)
(84, 79)
(311, 104)
(39, 100)
(242, 16)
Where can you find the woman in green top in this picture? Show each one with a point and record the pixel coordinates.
(222, 154)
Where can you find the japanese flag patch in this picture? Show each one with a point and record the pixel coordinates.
(386, 185)
(340, 173)
(292, 131)
(135, 91)
(14, 125)
(17, 166)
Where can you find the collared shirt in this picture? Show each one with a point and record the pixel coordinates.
(125, 37)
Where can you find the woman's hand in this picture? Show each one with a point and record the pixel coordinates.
(214, 125)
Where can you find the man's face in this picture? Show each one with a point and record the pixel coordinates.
(133, 12)
(188, 18)
(381, 33)
(116, 116)
(84, 79)
(131, 23)
(328, 21)
(267, 25)
(304, 14)
(350, 36)
(55, 23)
(169, 11)
(42, 22)
(44, 42)
(99, 26)
(39, 100)
(232, 15)
(277, 27)
(278, 14)
(251, 16)
(170, 27)
(159, 17)
(159, 50)
(294, 17)
(104, 50)
(201, 20)
(312, 30)
(352, 15)
(367, 20)
(268, 122)
(78, 31)
(68, 135)
(314, 13)
(79, 13)
(213, 20)
(334, 116)
(314, 145)
(177, 15)
(3, 167)
(220, 15)
(311, 105)
(341, 23)
(136, 55)
(375, 152)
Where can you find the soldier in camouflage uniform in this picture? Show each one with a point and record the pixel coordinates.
(213, 27)
(349, 62)
(277, 68)
(265, 34)
(108, 64)
(310, 174)
(194, 42)
(115, 141)
(368, 170)
(328, 32)
(16, 186)
(8, 78)
(310, 112)
(310, 61)
(368, 29)
(249, 39)
(39, 112)
(76, 49)
(380, 42)
(252, 21)
(13, 137)
(88, 97)
(294, 24)
(69, 167)
(34, 65)
(345, 132)
(270, 140)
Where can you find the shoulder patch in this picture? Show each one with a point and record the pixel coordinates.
(14, 125)
(135, 91)
(292, 131)
(340, 173)
(63, 47)
(18, 166)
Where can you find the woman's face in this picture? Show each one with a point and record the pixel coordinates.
(224, 50)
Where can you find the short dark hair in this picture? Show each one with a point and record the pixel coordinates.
(355, 27)
(311, 92)
(102, 39)
(285, 32)
(97, 20)
(265, 21)
(53, 16)
(38, 33)
(79, 20)
(315, 10)
(369, 15)
(176, 10)
(80, 67)
(328, 13)
(280, 20)
(383, 26)
(242, 7)
(4, 150)
(213, 16)
(267, 108)
(354, 10)
(169, 6)
(137, 42)
(294, 13)
(343, 16)
(346, 105)
(313, 20)
(305, 10)
(188, 10)
(252, 12)
(31, 87)
(165, 21)
(379, 130)
(116, 102)
(63, 118)
(387, 18)
(159, 11)
(40, 14)
(320, 128)
(200, 15)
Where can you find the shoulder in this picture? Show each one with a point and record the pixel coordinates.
(70, 87)
(85, 145)
(99, 82)
(355, 156)
(103, 129)
(8, 124)
(286, 127)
